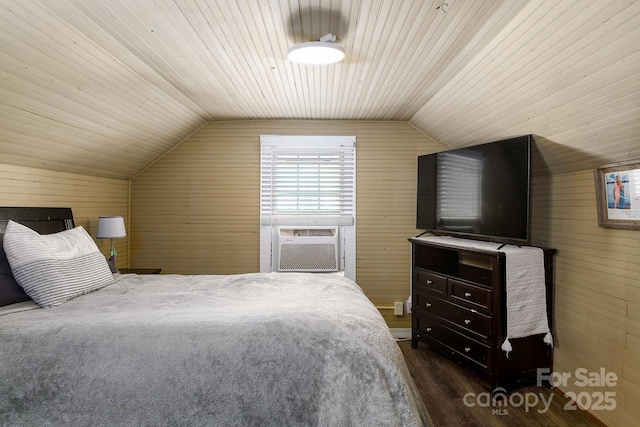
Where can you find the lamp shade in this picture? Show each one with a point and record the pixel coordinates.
(316, 53)
(111, 227)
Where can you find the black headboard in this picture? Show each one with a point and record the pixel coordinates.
(42, 220)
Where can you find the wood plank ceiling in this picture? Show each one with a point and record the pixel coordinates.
(104, 87)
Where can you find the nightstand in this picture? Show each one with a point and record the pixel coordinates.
(140, 270)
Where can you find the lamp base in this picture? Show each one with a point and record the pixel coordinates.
(112, 264)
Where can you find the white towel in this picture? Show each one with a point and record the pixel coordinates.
(526, 294)
(525, 287)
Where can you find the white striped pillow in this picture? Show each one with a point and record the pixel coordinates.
(53, 268)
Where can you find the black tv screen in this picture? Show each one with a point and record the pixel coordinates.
(479, 191)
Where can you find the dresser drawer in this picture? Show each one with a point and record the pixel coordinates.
(464, 319)
(422, 299)
(475, 297)
(431, 282)
(430, 329)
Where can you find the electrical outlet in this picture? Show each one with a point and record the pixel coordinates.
(398, 308)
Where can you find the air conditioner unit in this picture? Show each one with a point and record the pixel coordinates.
(312, 249)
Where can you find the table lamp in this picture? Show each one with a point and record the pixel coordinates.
(111, 227)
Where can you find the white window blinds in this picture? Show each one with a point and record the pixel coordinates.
(307, 180)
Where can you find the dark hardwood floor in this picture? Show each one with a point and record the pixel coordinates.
(443, 385)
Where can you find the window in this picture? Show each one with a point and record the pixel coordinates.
(307, 181)
(306, 184)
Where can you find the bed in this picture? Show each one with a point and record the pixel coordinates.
(289, 349)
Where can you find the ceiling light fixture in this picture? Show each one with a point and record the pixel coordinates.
(321, 52)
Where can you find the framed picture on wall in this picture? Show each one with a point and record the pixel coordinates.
(618, 195)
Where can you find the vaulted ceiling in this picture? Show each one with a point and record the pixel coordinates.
(104, 87)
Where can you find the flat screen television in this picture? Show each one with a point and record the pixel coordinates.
(480, 191)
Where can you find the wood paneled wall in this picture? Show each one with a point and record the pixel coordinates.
(195, 211)
(597, 294)
(88, 197)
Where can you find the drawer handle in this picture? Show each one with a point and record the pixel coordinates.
(428, 304)
(467, 349)
(429, 282)
(474, 311)
(467, 294)
(428, 329)
(467, 321)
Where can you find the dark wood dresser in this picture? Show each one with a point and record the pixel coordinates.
(459, 309)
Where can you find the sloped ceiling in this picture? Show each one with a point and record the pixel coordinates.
(105, 87)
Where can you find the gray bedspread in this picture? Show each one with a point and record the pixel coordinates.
(241, 350)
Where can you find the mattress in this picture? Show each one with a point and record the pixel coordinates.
(281, 349)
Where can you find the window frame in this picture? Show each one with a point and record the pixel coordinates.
(345, 219)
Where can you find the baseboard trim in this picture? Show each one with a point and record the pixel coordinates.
(401, 333)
